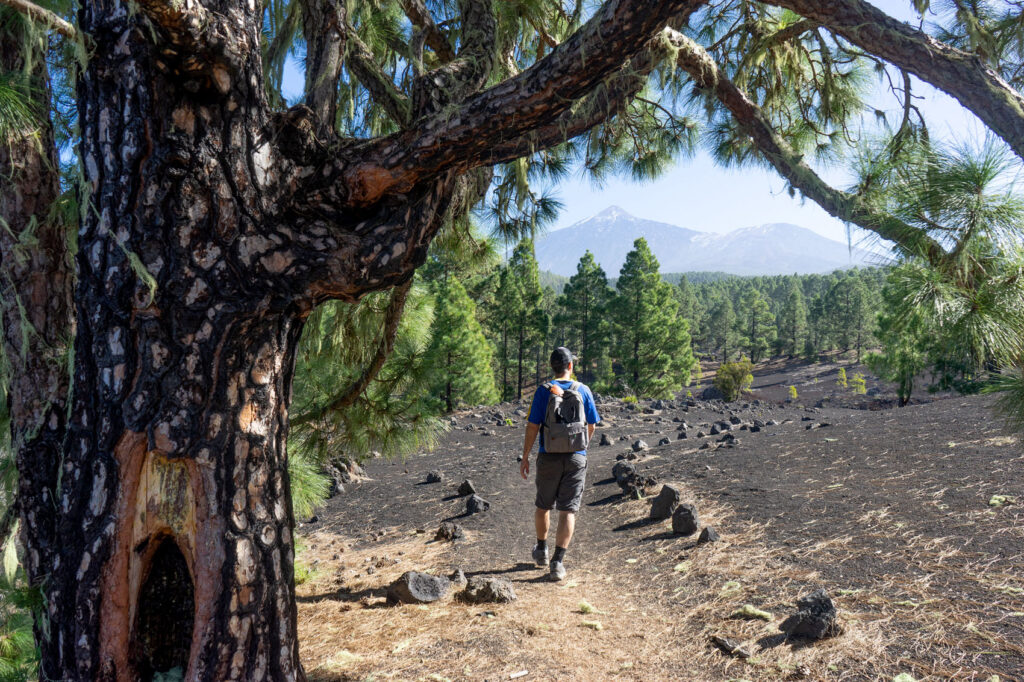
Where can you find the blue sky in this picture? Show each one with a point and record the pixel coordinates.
(700, 195)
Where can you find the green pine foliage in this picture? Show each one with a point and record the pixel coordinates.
(582, 323)
(460, 358)
(393, 415)
(652, 340)
(756, 326)
(793, 320)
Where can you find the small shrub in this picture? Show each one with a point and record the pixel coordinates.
(689, 394)
(733, 378)
(630, 400)
(859, 384)
(841, 380)
(792, 393)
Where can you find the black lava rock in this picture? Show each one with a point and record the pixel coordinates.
(685, 520)
(467, 488)
(482, 589)
(476, 504)
(815, 618)
(707, 535)
(414, 587)
(434, 476)
(665, 503)
(449, 531)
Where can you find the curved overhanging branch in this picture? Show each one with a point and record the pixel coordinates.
(382, 89)
(694, 60)
(962, 75)
(462, 138)
(43, 16)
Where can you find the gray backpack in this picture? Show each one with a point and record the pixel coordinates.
(565, 425)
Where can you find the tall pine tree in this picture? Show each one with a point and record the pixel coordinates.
(793, 319)
(459, 357)
(721, 326)
(582, 320)
(652, 339)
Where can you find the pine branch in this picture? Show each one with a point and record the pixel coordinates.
(850, 208)
(420, 16)
(382, 89)
(463, 138)
(965, 76)
(44, 16)
(347, 397)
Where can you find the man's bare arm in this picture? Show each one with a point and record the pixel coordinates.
(531, 436)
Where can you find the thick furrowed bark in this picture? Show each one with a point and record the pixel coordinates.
(964, 76)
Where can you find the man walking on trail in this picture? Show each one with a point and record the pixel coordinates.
(564, 413)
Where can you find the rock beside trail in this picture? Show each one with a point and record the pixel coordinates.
(413, 587)
(664, 441)
(707, 535)
(639, 445)
(482, 589)
(457, 578)
(449, 531)
(623, 473)
(467, 488)
(685, 520)
(476, 504)
(434, 476)
(665, 503)
(815, 618)
(604, 440)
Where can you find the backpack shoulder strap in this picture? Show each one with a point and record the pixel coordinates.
(575, 386)
(547, 385)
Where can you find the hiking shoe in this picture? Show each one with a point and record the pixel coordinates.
(557, 571)
(540, 556)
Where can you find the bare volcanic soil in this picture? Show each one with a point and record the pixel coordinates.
(889, 510)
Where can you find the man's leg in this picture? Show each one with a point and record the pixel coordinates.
(542, 521)
(566, 526)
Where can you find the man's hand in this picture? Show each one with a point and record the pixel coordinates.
(524, 467)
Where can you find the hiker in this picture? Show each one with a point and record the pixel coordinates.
(564, 413)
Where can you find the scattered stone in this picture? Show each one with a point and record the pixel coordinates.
(730, 646)
(484, 589)
(755, 428)
(724, 426)
(665, 503)
(707, 535)
(336, 480)
(771, 422)
(467, 488)
(449, 531)
(706, 446)
(681, 435)
(664, 441)
(805, 418)
(458, 579)
(735, 420)
(701, 434)
(623, 471)
(685, 520)
(759, 423)
(604, 440)
(414, 587)
(715, 430)
(476, 504)
(434, 476)
(815, 618)
(639, 445)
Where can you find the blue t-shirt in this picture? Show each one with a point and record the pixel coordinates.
(540, 406)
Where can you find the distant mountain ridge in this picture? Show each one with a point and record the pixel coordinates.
(770, 249)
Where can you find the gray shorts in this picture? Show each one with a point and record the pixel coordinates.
(560, 481)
